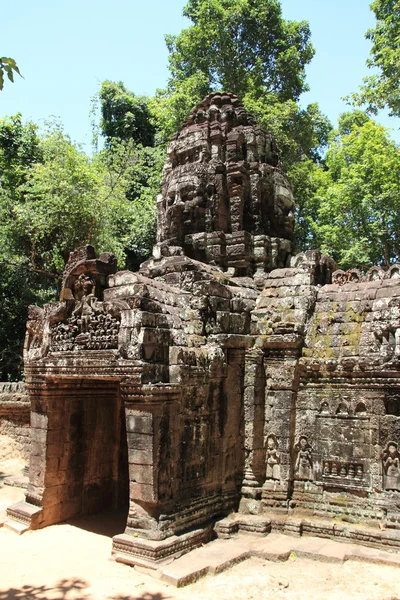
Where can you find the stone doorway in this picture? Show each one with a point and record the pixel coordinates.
(85, 460)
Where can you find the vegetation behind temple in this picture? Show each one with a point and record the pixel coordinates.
(54, 197)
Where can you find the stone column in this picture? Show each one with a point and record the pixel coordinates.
(254, 384)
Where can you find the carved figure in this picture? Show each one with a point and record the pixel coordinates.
(304, 465)
(83, 286)
(339, 277)
(273, 459)
(34, 333)
(391, 467)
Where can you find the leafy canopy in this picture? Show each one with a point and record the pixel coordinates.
(382, 89)
(124, 115)
(242, 44)
(53, 197)
(357, 204)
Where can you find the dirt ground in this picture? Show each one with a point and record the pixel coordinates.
(71, 561)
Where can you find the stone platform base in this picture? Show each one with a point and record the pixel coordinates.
(22, 513)
(149, 554)
(221, 554)
(16, 481)
(361, 533)
(182, 560)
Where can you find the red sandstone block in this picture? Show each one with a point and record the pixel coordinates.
(39, 421)
(138, 421)
(55, 437)
(140, 441)
(142, 474)
(142, 492)
(140, 457)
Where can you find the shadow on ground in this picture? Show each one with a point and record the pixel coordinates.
(104, 523)
(65, 589)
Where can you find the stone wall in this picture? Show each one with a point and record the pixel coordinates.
(14, 415)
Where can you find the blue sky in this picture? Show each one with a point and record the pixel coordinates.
(65, 49)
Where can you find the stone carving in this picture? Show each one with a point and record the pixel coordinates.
(338, 469)
(391, 467)
(33, 345)
(304, 464)
(91, 325)
(340, 277)
(375, 274)
(273, 458)
(393, 272)
(342, 409)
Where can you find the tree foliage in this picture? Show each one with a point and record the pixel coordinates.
(241, 45)
(124, 115)
(18, 289)
(357, 203)
(382, 89)
(8, 67)
(53, 197)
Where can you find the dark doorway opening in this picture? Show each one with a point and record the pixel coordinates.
(89, 456)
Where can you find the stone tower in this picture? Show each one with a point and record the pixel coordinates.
(225, 198)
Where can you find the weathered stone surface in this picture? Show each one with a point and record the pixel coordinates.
(14, 415)
(226, 374)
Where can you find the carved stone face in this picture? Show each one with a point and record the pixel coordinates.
(185, 193)
(392, 449)
(270, 444)
(83, 286)
(283, 205)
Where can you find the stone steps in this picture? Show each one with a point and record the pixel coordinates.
(221, 554)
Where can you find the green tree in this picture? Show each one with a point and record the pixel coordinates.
(242, 45)
(128, 126)
(18, 289)
(124, 115)
(357, 205)
(382, 89)
(136, 170)
(19, 150)
(53, 197)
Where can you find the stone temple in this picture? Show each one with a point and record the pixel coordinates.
(227, 385)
